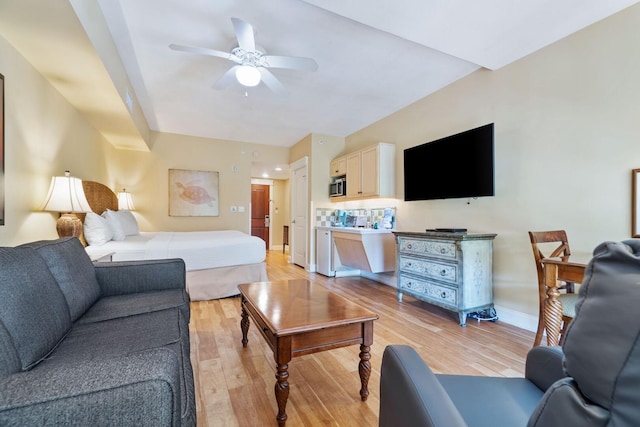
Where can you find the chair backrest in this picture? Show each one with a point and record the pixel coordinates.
(601, 348)
(539, 239)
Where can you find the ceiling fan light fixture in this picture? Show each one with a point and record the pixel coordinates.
(248, 75)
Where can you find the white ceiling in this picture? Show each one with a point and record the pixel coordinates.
(374, 58)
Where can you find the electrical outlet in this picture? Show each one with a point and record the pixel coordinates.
(234, 209)
(240, 208)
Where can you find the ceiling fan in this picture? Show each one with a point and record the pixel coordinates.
(251, 65)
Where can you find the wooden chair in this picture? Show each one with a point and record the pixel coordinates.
(539, 241)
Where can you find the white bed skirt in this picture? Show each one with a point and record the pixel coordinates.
(223, 282)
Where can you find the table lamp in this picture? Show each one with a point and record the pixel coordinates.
(66, 196)
(125, 202)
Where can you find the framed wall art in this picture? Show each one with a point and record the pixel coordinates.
(193, 193)
(635, 203)
(1, 149)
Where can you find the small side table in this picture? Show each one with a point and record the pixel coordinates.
(102, 257)
(285, 236)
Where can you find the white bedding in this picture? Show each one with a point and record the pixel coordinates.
(199, 249)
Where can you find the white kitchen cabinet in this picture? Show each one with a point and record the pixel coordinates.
(354, 175)
(338, 167)
(371, 172)
(450, 270)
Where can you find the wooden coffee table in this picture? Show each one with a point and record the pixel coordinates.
(299, 317)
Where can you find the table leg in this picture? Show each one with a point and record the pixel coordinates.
(364, 367)
(244, 324)
(282, 355)
(552, 305)
(282, 392)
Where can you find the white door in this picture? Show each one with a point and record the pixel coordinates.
(299, 203)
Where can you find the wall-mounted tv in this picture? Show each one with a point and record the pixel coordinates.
(456, 166)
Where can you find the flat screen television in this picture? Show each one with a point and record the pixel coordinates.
(456, 166)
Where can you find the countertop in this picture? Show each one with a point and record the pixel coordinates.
(358, 230)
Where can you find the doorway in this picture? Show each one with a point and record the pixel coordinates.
(260, 219)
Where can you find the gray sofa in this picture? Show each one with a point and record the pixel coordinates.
(84, 344)
(593, 380)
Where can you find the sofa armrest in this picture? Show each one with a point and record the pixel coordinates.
(410, 394)
(544, 366)
(124, 277)
(138, 389)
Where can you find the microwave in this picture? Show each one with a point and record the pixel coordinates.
(338, 187)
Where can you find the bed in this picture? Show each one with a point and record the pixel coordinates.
(216, 261)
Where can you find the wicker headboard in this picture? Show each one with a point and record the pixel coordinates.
(100, 197)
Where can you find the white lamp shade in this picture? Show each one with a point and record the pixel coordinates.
(125, 202)
(66, 195)
(248, 75)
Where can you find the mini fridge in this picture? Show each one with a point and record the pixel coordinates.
(324, 252)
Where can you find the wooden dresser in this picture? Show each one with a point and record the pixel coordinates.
(450, 270)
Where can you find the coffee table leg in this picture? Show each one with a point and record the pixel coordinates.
(282, 392)
(244, 325)
(364, 367)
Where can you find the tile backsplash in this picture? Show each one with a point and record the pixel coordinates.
(329, 217)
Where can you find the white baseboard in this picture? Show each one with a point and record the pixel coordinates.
(516, 318)
(348, 272)
(387, 279)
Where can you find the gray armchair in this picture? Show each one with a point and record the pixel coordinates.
(593, 380)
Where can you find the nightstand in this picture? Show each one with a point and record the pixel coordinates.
(102, 257)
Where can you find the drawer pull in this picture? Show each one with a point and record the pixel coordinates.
(409, 264)
(443, 295)
(443, 250)
(409, 246)
(443, 273)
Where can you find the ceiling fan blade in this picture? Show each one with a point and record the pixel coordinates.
(202, 51)
(227, 78)
(272, 82)
(291, 62)
(244, 34)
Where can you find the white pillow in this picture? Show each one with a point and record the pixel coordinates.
(114, 223)
(96, 229)
(128, 223)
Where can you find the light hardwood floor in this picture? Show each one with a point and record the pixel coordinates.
(235, 385)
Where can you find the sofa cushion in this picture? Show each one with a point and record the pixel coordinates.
(9, 359)
(71, 266)
(120, 336)
(113, 307)
(510, 402)
(32, 307)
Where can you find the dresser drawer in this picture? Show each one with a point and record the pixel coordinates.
(429, 268)
(429, 291)
(437, 248)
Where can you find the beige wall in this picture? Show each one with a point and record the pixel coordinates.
(44, 136)
(145, 175)
(567, 137)
(281, 214)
